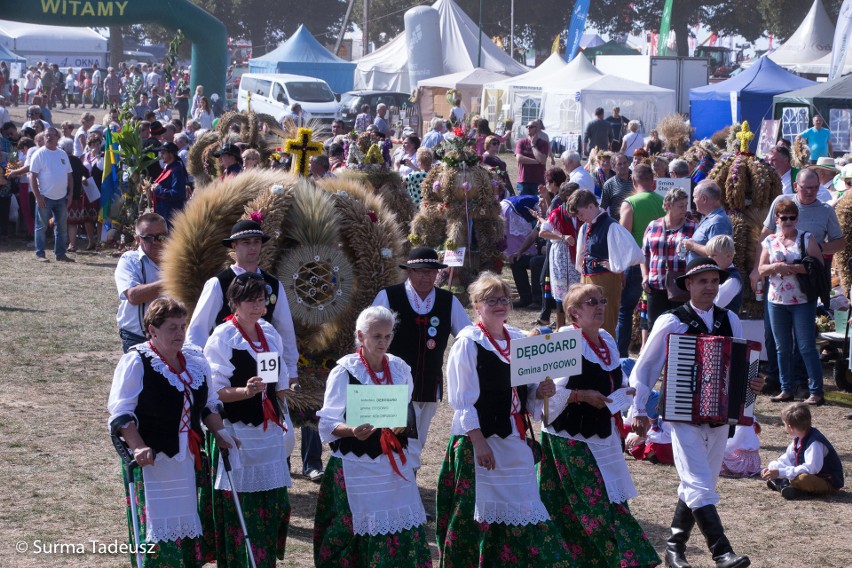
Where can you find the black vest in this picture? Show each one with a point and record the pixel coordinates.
(412, 334)
(832, 469)
(372, 446)
(250, 410)
(597, 247)
(737, 302)
(160, 407)
(227, 276)
(494, 406)
(696, 325)
(585, 419)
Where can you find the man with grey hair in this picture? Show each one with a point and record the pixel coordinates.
(51, 183)
(618, 187)
(678, 168)
(708, 201)
(576, 172)
(380, 123)
(435, 136)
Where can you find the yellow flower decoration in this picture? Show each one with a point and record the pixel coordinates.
(745, 136)
(374, 155)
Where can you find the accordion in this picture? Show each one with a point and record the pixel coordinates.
(706, 379)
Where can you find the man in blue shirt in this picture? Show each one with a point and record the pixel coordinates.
(708, 202)
(818, 140)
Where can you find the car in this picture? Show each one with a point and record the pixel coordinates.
(352, 101)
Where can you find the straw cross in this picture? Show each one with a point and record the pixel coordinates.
(745, 136)
(302, 147)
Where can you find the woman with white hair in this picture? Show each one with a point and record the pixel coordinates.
(368, 506)
(633, 140)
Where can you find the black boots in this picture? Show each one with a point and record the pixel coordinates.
(711, 526)
(682, 524)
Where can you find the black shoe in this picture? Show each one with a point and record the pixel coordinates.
(682, 524)
(783, 397)
(710, 525)
(64, 258)
(777, 484)
(790, 493)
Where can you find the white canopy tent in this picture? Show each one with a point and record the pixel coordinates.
(820, 66)
(65, 46)
(810, 42)
(387, 68)
(498, 97)
(568, 106)
(432, 93)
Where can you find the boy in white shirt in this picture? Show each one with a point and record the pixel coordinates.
(810, 466)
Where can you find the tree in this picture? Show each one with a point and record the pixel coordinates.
(783, 17)
(723, 16)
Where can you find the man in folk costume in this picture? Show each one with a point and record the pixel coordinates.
(231, 159)
(247, 238)
(427, 317)
(698, 448)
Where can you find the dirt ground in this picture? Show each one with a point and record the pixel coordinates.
(59, 476)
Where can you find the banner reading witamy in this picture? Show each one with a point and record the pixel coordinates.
(548, 355)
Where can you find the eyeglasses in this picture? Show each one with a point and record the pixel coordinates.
(594, 302)
(502, 301)
(494, 143)
(531, 126)
(808, 187)
(788, 217)
(249, 276)
(161, 238)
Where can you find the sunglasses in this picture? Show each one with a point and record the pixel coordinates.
(494, 143)
(594, 302)
(788, 217)
(502, 301)
(161, 238)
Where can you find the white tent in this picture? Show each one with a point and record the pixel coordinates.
(568, 106)
(432, 93)
(821, 65)
(387, 68)
(810, 42)
(65, 46)
(498, 98)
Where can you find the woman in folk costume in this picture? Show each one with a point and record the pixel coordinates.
(584, 478)
(369, 511)
(488, 505)
(256, 413)
(159, 397)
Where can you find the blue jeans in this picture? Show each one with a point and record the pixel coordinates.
(528, 187)
(629, 298)
(58, 208)
(311, 450)
(796, 321)
(129, 339)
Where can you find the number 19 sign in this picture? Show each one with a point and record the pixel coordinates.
(548, 355)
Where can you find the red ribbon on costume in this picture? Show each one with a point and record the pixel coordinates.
(194, 444)
(270, 416)
(520, 423)
(390, 444)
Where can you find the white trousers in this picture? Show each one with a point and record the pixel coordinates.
(424, 412)
(698, 452)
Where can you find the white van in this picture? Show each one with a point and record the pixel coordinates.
(274, 93)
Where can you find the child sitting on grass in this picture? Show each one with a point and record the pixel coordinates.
(742, 452)
(810, 465)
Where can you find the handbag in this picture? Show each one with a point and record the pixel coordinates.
(813, 282)
(673, 291)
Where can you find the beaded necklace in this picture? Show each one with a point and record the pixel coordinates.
(504, 352)
(373, 376)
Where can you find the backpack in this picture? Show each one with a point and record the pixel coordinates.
(813, 282)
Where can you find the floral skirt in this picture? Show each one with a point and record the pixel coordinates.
(465, 543)
(82, 210)
(741, 463)
(335, 545)
(267, 518)
(180, 553)
(598, 532)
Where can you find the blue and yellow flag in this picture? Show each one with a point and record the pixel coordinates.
(109, 183)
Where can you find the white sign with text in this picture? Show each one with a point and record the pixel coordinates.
(664, 185)
(534, 359)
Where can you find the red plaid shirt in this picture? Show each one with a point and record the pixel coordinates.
(661, 250)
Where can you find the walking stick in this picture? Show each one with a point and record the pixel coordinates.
(130, 466)
(226, 460)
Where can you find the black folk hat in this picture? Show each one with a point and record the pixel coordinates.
(422, 257)
(698, 265)
(246, 229)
